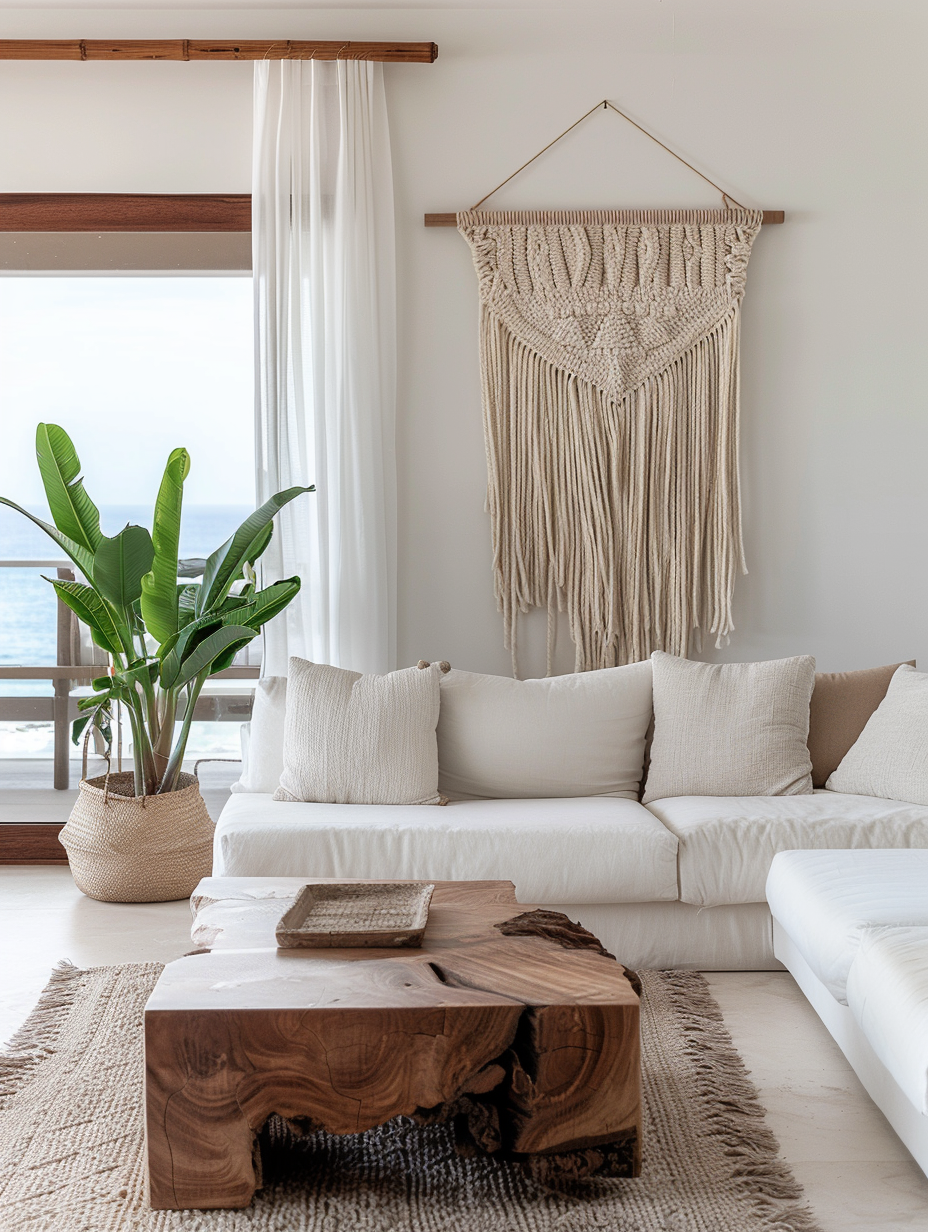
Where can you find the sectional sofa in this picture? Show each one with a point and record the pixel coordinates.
(544, 781)
(852, 929)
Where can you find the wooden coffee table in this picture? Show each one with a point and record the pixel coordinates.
(510, 1022)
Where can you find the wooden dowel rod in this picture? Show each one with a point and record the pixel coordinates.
(214, 49)
(451, 220)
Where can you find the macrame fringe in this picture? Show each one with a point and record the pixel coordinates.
(36, 1038)
(625, 515)
(729, 1108)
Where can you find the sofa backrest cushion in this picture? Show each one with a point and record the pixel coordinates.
(263, 738)
(890, 757)
(842, 702)
(360, 739)
(730, 729)
(576, 735)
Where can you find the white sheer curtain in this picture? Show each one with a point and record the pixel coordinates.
(325, 322)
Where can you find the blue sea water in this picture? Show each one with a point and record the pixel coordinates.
(27, 602)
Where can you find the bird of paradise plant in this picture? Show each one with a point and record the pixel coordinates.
(165, 637)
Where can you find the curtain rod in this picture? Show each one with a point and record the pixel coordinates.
(215, 49)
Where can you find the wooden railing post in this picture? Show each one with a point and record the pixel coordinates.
(62, 688)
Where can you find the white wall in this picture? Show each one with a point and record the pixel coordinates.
(813, 107)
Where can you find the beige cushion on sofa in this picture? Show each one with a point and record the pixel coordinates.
(730, 729)
(842, 702)
(727, 844)
(890, 757)
(577, 735)
(353, 739)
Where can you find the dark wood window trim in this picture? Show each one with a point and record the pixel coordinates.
(125, 212)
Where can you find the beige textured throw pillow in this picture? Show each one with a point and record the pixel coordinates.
(842, 702)
(730, 729)
(890, 757)
(353, 739)
(576, 735)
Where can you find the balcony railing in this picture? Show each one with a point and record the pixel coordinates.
(217, 703)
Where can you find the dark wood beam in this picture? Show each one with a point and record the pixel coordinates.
(31, 844)
(125, 212)
(215, 49)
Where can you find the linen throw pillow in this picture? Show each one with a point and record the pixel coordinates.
(263, 738)
(842, 702)
(890, 757)
(353, 739)
(577, 735)
(730, 729)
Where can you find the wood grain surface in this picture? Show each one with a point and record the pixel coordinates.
(215, 49)
(524, 1036)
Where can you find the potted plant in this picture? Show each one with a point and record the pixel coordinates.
(145, 836)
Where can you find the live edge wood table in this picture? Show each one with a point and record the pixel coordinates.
(510, 1022)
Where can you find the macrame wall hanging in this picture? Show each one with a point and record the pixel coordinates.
(609, 358)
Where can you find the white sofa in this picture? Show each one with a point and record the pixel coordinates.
(679, 882)
(852, 928)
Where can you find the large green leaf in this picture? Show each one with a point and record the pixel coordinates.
(265, 604)
(225, 564)
(81, 557)
(230, 639)
(120, 563)
(177, 647)
(259, 547)
(91, 609)
(73, 512)
(159, 587)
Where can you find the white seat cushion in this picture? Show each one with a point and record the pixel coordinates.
(887, 991)
(589, 850)
(728, 842)
(826, 901)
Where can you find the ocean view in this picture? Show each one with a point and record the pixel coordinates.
(28, 611)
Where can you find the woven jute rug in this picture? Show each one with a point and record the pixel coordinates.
(72, 1158)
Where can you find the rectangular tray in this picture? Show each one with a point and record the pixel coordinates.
(372, 913)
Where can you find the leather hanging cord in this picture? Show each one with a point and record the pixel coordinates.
(726, 197)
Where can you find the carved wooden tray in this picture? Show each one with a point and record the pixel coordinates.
(372, 913)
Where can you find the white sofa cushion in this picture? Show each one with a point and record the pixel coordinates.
(727, 843)
(887, 992)
(826, 901)
(577, 735)
(263, 738)
(588, 850)
(890, 756)
(730, 729)
(360, 739)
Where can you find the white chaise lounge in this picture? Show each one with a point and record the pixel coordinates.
(852, 929)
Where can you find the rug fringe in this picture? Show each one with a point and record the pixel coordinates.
(37, 1037)
(731, 1111)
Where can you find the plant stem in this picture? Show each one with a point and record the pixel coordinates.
(180, 746)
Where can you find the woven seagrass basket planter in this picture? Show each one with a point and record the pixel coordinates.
(147, 850)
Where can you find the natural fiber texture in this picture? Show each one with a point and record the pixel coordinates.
(730, 729)
(609, 355)
(146, 850)
(71, 1140)
(361, 739)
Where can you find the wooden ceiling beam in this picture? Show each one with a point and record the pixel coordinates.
(214, 49)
